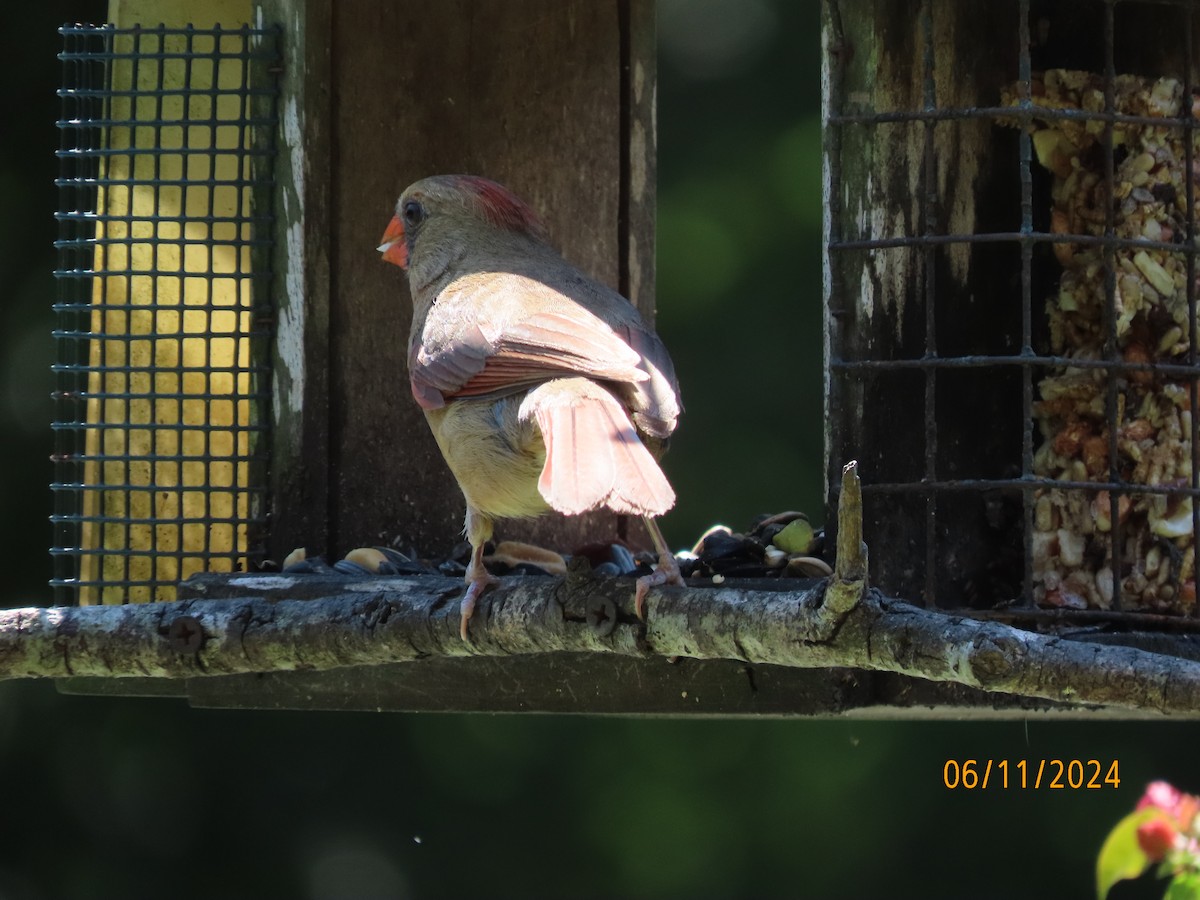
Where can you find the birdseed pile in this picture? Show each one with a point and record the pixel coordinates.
(780, 545)
(1072, 546)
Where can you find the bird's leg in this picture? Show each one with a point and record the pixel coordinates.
(666, 572)
(479, 579)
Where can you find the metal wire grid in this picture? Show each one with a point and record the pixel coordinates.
(930, 364)
(163, 317)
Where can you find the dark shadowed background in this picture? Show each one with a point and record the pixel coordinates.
(143, 798)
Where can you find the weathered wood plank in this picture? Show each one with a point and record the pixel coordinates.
(528, 93)
(301, 283)
(880, 184)
(640, 148)
(581, 684)
(556, 683)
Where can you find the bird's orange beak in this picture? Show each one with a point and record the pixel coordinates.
(393, 246)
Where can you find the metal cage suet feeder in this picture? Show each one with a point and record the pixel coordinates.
(1011, 298)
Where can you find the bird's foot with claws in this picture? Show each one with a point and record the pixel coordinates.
(666, 572)
(476, 585)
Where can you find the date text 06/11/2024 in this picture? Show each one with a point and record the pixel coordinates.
(1031, 774)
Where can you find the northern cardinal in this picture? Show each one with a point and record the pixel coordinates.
(544, 389)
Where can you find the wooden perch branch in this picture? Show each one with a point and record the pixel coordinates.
(261, 625)
(395, 620)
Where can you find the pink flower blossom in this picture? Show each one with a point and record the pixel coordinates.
(1180, 807)
(1156, 838)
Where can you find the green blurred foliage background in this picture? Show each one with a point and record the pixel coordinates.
(148, 798)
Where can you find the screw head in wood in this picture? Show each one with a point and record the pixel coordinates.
(602, 616)
(185, 634)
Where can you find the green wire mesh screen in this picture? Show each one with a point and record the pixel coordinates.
(163, 322)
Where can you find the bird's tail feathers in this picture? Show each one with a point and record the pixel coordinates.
(594, 457)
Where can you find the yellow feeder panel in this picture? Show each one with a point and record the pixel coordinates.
(174, 414)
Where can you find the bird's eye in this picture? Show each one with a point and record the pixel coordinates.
(414, 214)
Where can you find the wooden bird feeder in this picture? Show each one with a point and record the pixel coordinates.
(935, 212)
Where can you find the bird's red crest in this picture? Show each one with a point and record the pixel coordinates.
(501, 207)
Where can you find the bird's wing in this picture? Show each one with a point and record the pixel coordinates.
(477, 359)
(654, 402)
